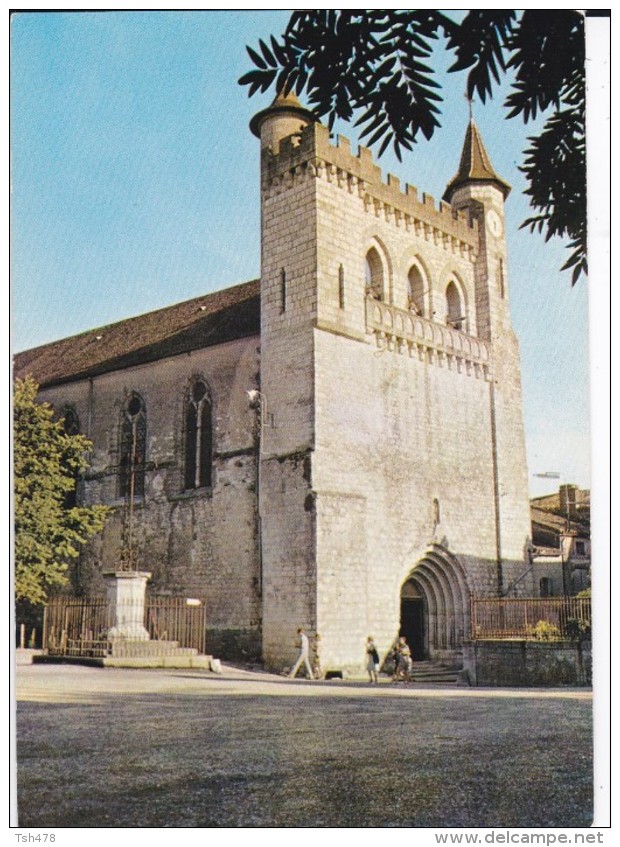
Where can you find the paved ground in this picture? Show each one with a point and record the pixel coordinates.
(108, 747)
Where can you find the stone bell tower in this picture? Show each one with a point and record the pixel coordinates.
(392, 450)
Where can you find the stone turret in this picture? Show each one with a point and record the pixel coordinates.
(477, 190)
(286, 116)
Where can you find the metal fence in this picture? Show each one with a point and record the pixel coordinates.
(176, 619)
(79, 626)
(548, 618)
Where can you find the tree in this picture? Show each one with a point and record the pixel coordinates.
(373, 64)
(47, 461)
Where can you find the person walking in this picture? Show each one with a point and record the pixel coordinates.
(372, 655)
(304, 650)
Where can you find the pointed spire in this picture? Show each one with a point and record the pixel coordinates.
(475, 165)
(289, 99)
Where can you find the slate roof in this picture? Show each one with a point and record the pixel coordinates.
(475, 165)
(284, 104)
(202, 322)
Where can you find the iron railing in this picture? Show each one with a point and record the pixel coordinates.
(79, 626)
(546, 618)
(176, 619)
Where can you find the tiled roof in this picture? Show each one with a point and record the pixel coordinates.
(548, 520)
(551, 502)
(557, 523)
(201, 322)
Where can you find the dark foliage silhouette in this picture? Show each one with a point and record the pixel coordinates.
(374, 66)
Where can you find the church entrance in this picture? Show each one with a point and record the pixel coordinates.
(412, 620)
(434, 606)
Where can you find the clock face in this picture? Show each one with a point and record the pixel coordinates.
(494, 223)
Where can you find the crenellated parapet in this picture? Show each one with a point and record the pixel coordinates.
(310, 154)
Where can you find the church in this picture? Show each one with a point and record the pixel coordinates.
(337, 445)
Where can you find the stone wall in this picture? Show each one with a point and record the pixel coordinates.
(393, 435)
(528, 663)
(201, 542)
(288, 310)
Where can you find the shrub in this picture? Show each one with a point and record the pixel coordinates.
(577, 629)
(544, 631)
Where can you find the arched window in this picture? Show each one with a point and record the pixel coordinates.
(70, 421)
(416, 292)
(454, 309)
(436, 513)
(198, 437)
(132, 448)
(375, 286)
(71, 426)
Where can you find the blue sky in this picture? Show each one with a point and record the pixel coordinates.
(135, 185)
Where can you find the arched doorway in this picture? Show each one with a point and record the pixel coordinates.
(412, 620)
(434, 606)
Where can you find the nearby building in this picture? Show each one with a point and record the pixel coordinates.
(561, 539)
(375, 478)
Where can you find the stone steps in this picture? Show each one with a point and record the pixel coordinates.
(154, 654)
(127, 653)
(139, 649)
(159, 661)
(197, 662)
(429, 671)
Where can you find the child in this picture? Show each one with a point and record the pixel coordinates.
(404, 661)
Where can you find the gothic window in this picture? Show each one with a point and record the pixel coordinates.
(375, 286)
(70, 421)
(132, 448)
(198, 437)
(454, 309)
(415, 291)
(436, 513)
(71, 426)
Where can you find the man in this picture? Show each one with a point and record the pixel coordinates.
(304, 649)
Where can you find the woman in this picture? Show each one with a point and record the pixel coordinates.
(373, 660)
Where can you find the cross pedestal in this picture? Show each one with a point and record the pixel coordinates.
(126, 592)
